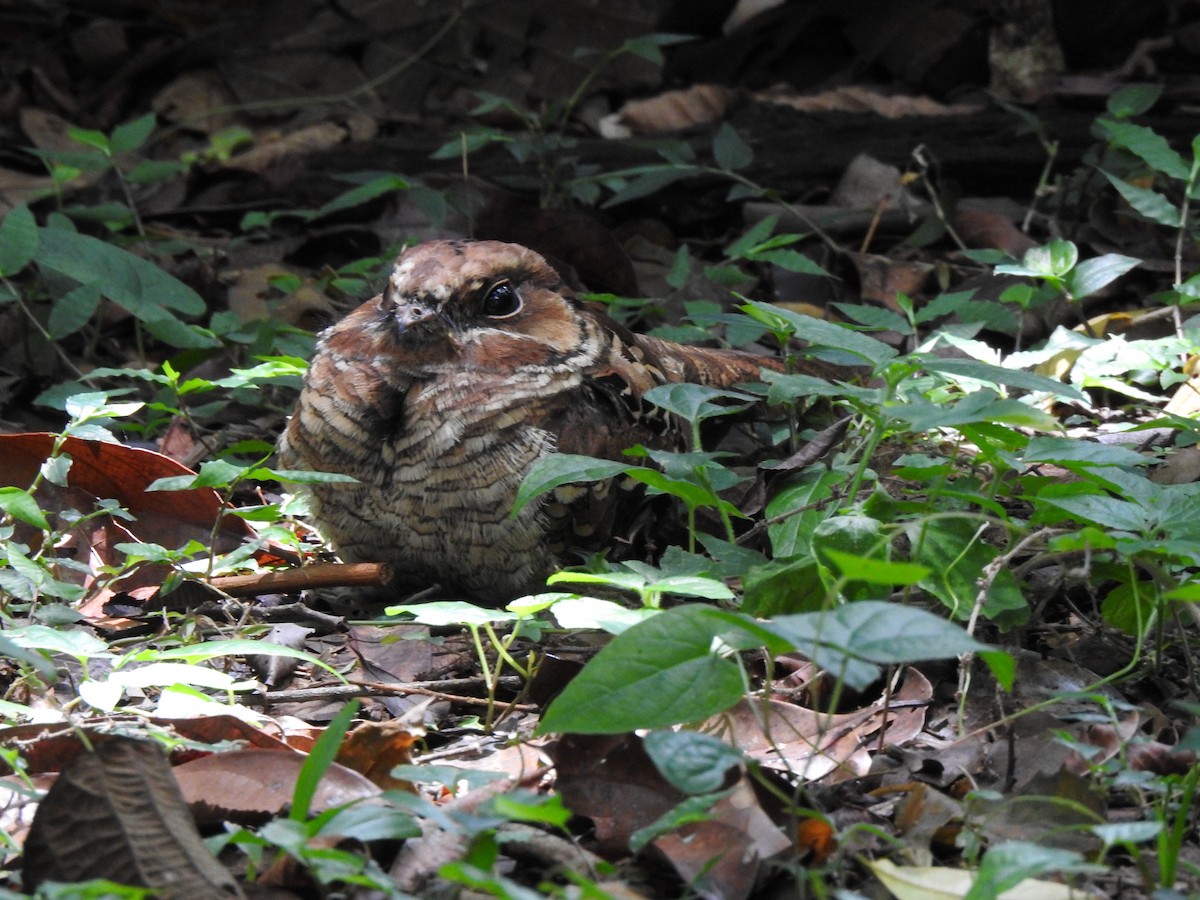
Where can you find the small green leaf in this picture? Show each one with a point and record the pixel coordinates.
(1151, 204)
(1093, 274)
(97, 140)
(558, 469)
(729, 150)
(645, 184)
(1151, 147)
(18, 240)
(132, 135)
(694, 763)
(21, 505)
(1133, 99)
(876, 571)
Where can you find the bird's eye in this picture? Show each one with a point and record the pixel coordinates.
(502, 301)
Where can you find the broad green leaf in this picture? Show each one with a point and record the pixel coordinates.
(1073, 453)
(70, 642)
(695, 763)
(844, 639)
(695, 402)
(18, 240)
(1151, 204)
(1093, 274)
(130, 281)
(981, 371)
(658, 673)
(876, 317)
(787, 388)
(1012, 865)
(876, 571)
(21, 505)
(132, 135)
(1151, 147)
(1130, 607)
(451, 612)
(729, 150)
(981, 406)
(1133, 99)
(955, 553)
(593, 613)
(647, 183)
(1100, 509)
(558, 469)
(783, 586)
(73, 310)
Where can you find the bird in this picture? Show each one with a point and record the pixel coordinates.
(441, 393)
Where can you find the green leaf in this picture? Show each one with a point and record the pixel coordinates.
(1151, 204)
(21, 505)
(695, 402)
(981, 371)
(1093, 274)
(97, 140)
(647, 183)
(876, 571)
(73, 310)
(18, 240)
(1133, 99)
(981, 406)
(843, 640)
(1151, 147)
(956, 556)
(694, 763)
(729, 150)
(818, 332)
(783, 586)
(320, 758)
(132, 135)
(558, 469)
(1072, 453)
(754, 236)
(791, 260)
(376, 187)
(451, 612)
(658, 673)
(130, 281)
(1099, 509)
(1055, 259)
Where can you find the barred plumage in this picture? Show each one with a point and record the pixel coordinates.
(441, 393)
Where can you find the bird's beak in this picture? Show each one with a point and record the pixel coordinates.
(410, 315)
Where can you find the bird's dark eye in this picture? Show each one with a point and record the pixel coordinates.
(502, 301)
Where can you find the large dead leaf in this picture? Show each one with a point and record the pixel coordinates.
(117, 813)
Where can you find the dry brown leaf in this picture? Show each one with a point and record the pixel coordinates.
(375, 748)
(699, 104)
(255, 785)
(117, 813)
(855, 98)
